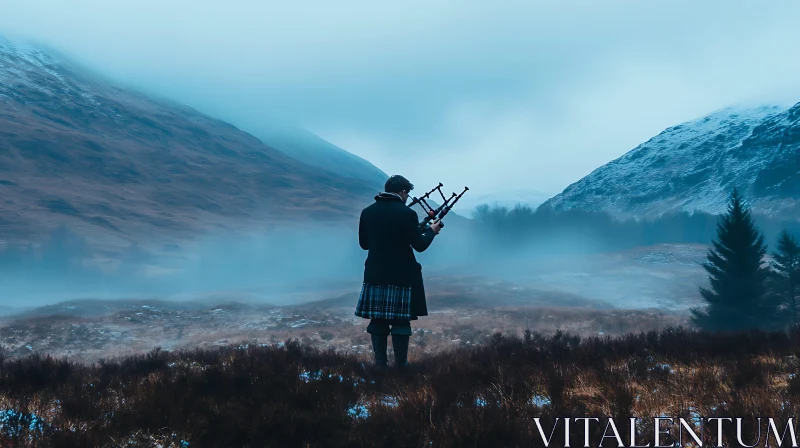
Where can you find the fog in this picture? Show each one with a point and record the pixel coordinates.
(284, 266)
(310, 262)
(629, 264)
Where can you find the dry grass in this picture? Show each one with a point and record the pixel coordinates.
(293, 395)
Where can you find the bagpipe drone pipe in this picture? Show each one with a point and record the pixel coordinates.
(438, 212)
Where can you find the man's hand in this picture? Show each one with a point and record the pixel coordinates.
(436, 225)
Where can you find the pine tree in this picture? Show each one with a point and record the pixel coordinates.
(737, 298)
(786, 270)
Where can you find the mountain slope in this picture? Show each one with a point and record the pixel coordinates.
(315, 151)
(119, 165)
(695, 165)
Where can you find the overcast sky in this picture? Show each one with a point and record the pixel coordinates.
(527, 95)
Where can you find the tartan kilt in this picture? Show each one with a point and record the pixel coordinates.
(393, 301)
(384, 302)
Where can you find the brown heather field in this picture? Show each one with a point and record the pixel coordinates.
(293, 395)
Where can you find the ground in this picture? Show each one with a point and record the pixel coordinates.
(136, 327)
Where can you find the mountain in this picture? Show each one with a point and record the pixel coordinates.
(308, 148)
(117, 165)
(695, 165)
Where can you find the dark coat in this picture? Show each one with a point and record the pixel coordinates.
(390, 231)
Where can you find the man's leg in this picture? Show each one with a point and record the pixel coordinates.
(401, 332)
(379, 331)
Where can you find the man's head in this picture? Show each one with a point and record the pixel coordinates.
(399, 185)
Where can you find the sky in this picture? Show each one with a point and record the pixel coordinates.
(509, 96)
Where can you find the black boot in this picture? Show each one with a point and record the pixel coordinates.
(379, 343)
(400, 346)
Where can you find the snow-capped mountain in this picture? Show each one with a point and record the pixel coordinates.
(695, 165)
(116, 164)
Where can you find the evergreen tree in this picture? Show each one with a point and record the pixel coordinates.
(786, 270)
(737, 298)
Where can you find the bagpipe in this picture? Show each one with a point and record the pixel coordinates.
(438, 212)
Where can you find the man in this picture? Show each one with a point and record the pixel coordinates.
(392, 294)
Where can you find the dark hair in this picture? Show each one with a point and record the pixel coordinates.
(397, 183)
